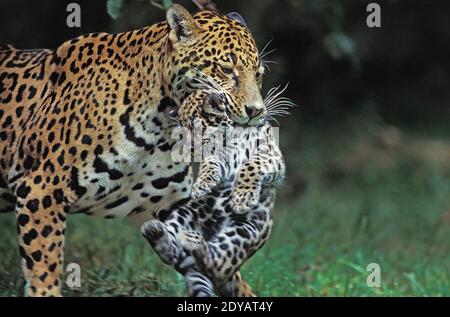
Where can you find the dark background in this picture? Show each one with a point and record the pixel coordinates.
(367, 150)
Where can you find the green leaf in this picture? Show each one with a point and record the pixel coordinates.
(113, 7)
(167, 3)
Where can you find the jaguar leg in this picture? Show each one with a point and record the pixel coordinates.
(41, 221)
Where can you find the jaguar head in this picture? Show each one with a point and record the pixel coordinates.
(216, 55)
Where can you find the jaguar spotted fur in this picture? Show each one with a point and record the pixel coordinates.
(83, 128)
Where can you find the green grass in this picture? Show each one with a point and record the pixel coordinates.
(321, 244)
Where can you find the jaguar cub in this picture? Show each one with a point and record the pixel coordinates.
(229, 216)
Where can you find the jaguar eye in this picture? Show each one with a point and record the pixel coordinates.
(226, 70)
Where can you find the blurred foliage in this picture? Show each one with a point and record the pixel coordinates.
(113, 7)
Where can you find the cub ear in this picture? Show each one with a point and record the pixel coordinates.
(182, 24)
(237, 17)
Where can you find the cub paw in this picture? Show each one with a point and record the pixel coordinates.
(194, 242)
(155, 233)
(153, 230)
(244, 201)
(200, 190)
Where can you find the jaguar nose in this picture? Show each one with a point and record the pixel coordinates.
(253, 112)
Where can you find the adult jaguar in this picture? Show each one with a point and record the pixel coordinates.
(84, 130)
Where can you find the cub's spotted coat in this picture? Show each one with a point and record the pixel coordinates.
(229, 218)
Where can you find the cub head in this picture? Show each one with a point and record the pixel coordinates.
(201, 110)
(215, 54)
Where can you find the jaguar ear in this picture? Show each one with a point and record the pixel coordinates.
(236, 16)
(182, 24)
